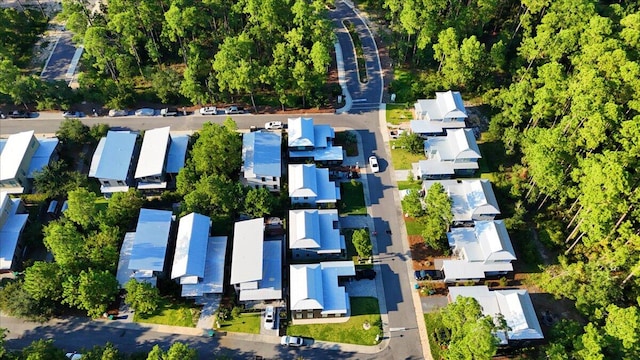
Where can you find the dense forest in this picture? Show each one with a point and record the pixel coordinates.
(563, 82)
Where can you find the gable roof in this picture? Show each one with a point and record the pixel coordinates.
(13, 154)
(451, 105)
(315, 286)
(153, 153)
(301, 132)
(305, 180)
(150, 243)
(213, 280)
(43, 155)
(494, 240)
(247, 256)
(113, 156)
(462, 144)
(11, 230)
(269, 287)
(262, 154)
(470, 198)
(315, 229)
(191, 246)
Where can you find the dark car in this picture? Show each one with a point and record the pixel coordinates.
(428, 275)
(365, 274)
(19, 114)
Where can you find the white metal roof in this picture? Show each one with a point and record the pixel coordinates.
(124, 274)
(247, 255)
(150, 243)
(113, 156)
(191, 246)
(457, 144)
(270, 286)
(315, 286)
(301, 132)
(315, 229)
(323, 134)
(177, 153)
(13, 154)
(262, 154)
(451, 105)
(470, 198)
(153, 153)
(455, 270)
(332, 153)
(494, 240)
(10, 231)
(43, 155)
(307, 180)
(213, 281)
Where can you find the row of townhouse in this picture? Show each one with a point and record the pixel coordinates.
(480, 245)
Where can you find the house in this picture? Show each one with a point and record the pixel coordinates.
(113, 161)
(472, 199)
(262, 160)
(161, 158)
(315, 234)
(433, 116)
(143, 252)
(21, 156)
(315, 291)
(455, 154)
(198, 263)
(12, 223)
(310, 186)
(479, 251)
(514, 305)
(309, 142)
(256, 264)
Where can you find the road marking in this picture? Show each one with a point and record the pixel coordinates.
(397, 329)
(359, 100)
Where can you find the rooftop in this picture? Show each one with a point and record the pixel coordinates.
(486, 241)
(150, 243)
(262, 154)
(113, 156)
(446, 105)
(13, 153)
(43, 155)
(191, 246)
(247, 256)
(177, 153)
(301, 132)
(153, 152)
(315, 286)
(269, 287)
(11, 230)
(213, 280)
(315, 229)
(305, 180)
(470, 198)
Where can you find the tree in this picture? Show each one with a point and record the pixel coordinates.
(412, 204)
(73, 132)
(142, 296)
(106, 352)
(471, 332)
(437, 217)
(215, 195)
(92, 291)
(362, 243)
(218, 150)
(82, 208)
(98, 131)
(3, 335)
(101, 248)
(42, 350)
(55, 180)
(66, 244)
(43, 281)
(16, 301)
(123, 208)
(413, 142)
(258, 202)
(177, 351)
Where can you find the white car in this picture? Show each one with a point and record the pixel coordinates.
(208, 110)
(145, 112)
(72, 114)
(269, 318)
(273, 125)
(373, 164)
(291, 341)
(233, 109)
(116, 112)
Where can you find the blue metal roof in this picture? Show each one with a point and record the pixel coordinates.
(261, 152)
(150, 244)
(115, 157)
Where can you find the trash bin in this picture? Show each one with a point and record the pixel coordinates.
(111, 317)
(416, 286)
(211, 333)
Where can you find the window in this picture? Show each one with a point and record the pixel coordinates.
(105, 183)
(263, 179)
(120, 182)
(323, 315)
(275, 178)
(298, 316)
(336, 224)
(275, 187)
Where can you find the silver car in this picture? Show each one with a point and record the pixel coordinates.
(291, 341)
(145, 112)
(208, 110)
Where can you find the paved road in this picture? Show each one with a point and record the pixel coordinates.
(58, 64)
(366, 96)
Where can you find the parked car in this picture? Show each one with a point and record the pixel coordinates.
(365, 274)
(74, 356)
(72, 114)
(291, 341)
(421, 275)
(273, 125)
(19, 114)
(2, 115)
(269, 318)
(145, 112)
(169, 112)
(373, 164)
(208, 110)
(116, 112)
(233, 109)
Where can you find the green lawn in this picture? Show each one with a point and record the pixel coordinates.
(402, 84)
(172, 313)
(246, 323)
(432, 321)
(413, 227)
(352, 202)
(350, 332)
(413, 185)
(398, 113)
(402, 159)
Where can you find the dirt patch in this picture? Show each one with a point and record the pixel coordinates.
(423, 257)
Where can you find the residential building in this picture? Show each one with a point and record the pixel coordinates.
(113, 161)
(309, 142)
(315, 234)
(310, 186)
(455, 154)
(516, 307)
(472, 199)
(262, 160)
(12, 223)
(256, 264)
(433, 116)
(21, 156)
(161, 157)
(316, 294)
(198, 263)
(479, 251)
(143, 252)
